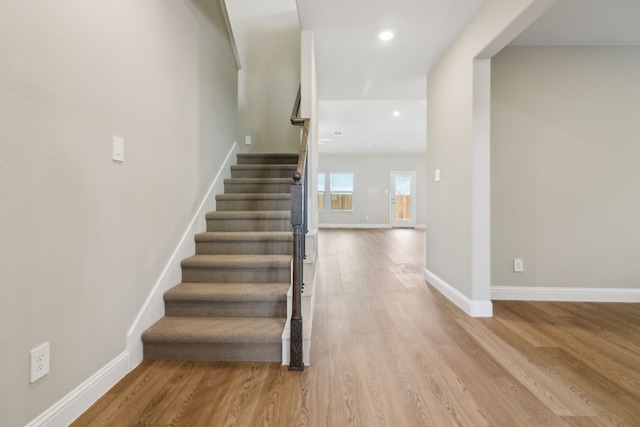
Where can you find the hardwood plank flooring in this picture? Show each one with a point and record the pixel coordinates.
(389, 350)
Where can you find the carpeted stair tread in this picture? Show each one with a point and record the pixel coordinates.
(242, 201)
(216, 330)
(243, 236)
(265, 181)
(263, 171)
(256, 196)
(202, 291)
(248, 215)
(257, 185)
(236, 261)
(267, 158)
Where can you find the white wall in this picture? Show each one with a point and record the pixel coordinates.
(372, 177)
(564, 166)
(268, 39)
(455, 124)
(85, 238)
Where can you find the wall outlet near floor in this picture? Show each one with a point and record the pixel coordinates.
(518, 265)
(39, 362)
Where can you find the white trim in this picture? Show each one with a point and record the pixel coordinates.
(481, 181)
(153, 307)
(70, 407)
(530, 293)
(354, 226)
(421, 226)
(469, 306)
(232, 39)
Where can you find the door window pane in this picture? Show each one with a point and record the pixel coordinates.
(403, 197)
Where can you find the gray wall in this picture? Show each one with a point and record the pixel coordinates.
(564, 166)
(457, 206)
(268, 39)
(371, 180)
(84, 238)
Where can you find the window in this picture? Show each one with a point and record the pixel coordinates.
(321, 178)
(341, 187)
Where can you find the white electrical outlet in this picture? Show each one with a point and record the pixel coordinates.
(39, 362)
(518, 265)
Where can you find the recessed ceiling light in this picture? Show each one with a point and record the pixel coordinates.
(396, 114)
(385, 36)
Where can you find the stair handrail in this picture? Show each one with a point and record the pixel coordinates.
(299, 224)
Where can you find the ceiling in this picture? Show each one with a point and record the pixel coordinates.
(362, 80)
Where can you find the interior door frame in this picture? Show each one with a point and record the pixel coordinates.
(392, 192)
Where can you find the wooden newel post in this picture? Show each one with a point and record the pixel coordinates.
(296, 361)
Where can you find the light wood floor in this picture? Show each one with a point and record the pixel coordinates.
(389, 350)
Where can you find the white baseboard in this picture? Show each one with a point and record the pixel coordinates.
(354, 226)
(471, 307)
(70, 407)
(422, 226)
(153, 308)
(529, 293)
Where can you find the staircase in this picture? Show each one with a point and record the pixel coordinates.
(232, 302)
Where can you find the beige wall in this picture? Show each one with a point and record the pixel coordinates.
(268, 40)
(372, 178)
(84, 238)
(564, 166)
(454, 208)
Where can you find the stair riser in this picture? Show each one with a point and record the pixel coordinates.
(266, 160)
(262, 173)
(249, 225)
(245, 248)
(236, 275)
(236, 188)
(226, 308)
(253, 205)
(220, 352)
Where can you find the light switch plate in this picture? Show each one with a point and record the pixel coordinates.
(437, 175)
(118, 149)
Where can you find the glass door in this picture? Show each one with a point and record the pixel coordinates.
(403, 200)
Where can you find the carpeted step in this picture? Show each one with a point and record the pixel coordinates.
(267, 158)
(230, 339)
(237, 268)
(254, 202)
(232, 303)
(244, 242)
(263, 171)
(257, 185)
(249, 221)
(227, 299)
